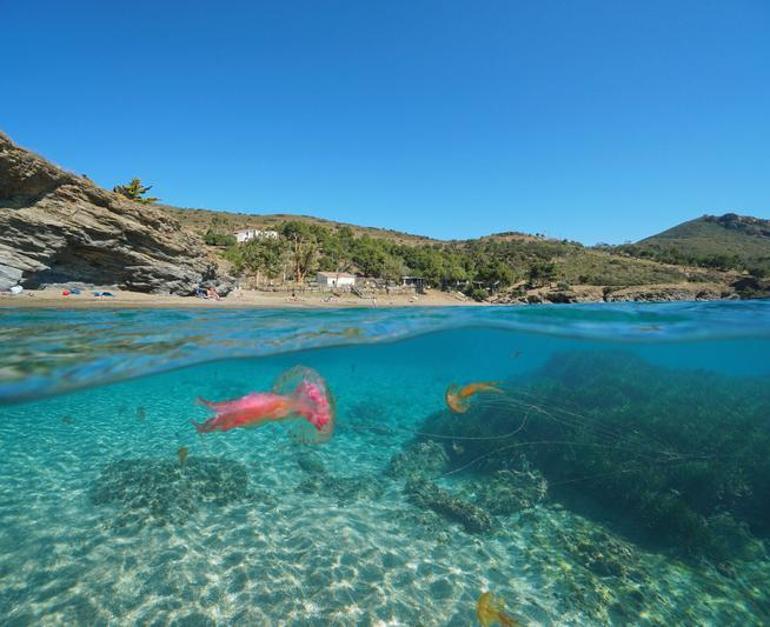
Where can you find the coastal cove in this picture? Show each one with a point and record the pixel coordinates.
(60, 230)
(385, 314)
(53, 297)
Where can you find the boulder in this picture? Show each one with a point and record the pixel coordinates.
(57, 227)
(420, 459)
(427, 495)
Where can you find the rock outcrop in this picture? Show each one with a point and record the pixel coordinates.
(57, 227)
(746, 287)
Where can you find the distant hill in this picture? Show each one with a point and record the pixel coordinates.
(508, 265)
(200, 220)
(729, 241)
(58, 227)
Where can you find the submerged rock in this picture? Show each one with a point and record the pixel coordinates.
(658, 453)
(731, 539)
(427, 494)
(148, 491)
(509, 491)
(419, 459)
(311, 465)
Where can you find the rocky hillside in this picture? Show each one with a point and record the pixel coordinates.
(56, 227)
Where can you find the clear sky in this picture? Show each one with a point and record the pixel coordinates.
(595, 121)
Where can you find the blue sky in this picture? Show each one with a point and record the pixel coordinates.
(595, 121)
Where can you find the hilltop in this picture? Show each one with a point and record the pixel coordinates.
(730, 241)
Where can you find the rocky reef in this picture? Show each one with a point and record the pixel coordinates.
(427, 494)
(425, 459)
(161, 492)
(671, 458)
(508, 491)
(57, 227)
(478, 500)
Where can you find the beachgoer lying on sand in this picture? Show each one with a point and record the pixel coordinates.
(213, 294)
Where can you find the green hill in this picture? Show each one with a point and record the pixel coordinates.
(505, 263)
(201, 220)
(724, 242)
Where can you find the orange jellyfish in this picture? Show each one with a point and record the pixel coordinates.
(299, 393)
(491, 611)
(458, 399)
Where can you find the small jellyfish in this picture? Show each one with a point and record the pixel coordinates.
(141, 414)
(67, 420)
(298, 393)
(458, 398)
(490, 610)
(182, 455)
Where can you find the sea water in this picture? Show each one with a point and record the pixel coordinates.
(612, 426)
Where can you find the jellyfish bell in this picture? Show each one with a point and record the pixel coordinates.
(454, 401)
(312, 401)
(458, 398)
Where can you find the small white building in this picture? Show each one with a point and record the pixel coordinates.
(246, 235)
(331, 280)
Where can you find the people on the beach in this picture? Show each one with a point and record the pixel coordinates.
(207, 293)
(298, 393)
(458, 398)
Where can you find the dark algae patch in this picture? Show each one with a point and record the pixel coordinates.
(160, 492)
(679, 459)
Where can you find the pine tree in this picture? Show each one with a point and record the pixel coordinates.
(135, 191)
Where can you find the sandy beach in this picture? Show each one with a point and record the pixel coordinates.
(53, 298)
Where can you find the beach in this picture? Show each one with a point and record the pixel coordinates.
(53, 298)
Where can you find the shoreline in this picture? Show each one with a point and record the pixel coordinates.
(243, 299)
(52, 298)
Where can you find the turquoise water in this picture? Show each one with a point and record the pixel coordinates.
(619, 476)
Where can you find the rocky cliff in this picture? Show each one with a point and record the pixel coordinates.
(56, 227)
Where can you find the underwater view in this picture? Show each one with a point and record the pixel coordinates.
(552, 465)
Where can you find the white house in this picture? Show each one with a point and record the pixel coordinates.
(247, 235)
(330, 280)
